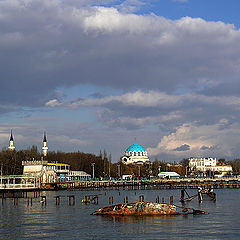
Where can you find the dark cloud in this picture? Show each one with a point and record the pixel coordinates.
(49, 44)
(184, 147)
(206, 148)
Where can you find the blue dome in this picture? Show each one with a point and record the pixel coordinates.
(135, 147)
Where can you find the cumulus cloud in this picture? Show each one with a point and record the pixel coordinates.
(225, 142)
(152, 107)
(51, 44)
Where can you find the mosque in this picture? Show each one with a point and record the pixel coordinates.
(135, 154)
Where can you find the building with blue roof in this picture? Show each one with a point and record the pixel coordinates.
(135, 154)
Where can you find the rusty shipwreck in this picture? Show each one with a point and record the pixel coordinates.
(145, 208)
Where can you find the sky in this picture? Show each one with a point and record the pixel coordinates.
(99, 74)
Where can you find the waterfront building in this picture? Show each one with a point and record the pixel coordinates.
(208, 165)
(44, 148)
(52, 172)
(135, 154)
(11, 143)
(78, 175)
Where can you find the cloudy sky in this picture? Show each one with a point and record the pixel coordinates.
(95, 74)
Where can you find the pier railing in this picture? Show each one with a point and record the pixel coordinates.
(19, 182)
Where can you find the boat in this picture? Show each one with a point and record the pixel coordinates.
(145, 209)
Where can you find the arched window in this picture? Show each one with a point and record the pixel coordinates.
(139, 153)
(135, 154)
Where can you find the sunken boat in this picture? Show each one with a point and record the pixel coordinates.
(145, 209)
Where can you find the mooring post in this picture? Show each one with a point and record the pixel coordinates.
(44, 200)
(171, 200)
(57, 200)
(182, 195)
(141, 198)
(163, 200)
(200, 196)
(126, 199)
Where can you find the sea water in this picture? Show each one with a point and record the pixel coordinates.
(62, 221)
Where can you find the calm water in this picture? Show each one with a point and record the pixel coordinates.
(75, 222)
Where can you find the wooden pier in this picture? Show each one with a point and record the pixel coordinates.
(216, 183)
(11, 184)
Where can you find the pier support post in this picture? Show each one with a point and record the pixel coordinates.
(182, 195)
(43, 200)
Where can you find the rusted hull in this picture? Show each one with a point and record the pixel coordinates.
(138, 209)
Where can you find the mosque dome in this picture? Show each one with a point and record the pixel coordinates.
(135, 154)
(135, 148)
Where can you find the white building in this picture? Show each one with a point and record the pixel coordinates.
(135, 154)
(204, 165)
(52, 172)
(201, 164)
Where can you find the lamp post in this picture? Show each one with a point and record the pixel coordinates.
(93, 173)
(139, 170)
(118, 170)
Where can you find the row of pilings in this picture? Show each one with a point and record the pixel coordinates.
(151, 185)
(72, 199)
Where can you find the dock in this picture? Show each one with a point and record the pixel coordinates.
(20, 183)
(186, 183)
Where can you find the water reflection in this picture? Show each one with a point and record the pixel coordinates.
(75, 222)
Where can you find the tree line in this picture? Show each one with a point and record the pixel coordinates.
(11, 163)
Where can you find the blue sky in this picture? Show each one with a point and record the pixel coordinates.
(97, 74)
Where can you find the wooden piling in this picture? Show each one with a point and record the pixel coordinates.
(57, 200)
(182, 195)
(70, 198)
(44, 200)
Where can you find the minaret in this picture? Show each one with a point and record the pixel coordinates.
(44, 148)
(11, 143)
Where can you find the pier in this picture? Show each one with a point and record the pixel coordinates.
(11, 183)
(20, 183)
(216, 183)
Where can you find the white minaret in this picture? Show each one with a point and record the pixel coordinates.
(44, 148)
(11, 143)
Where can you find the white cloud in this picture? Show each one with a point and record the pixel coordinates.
(149, 99)
(204, 141)
(52, 103)
(56, 44)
